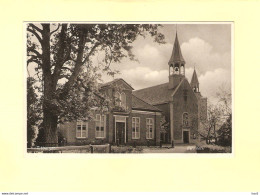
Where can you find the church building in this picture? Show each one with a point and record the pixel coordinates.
(169, 112)
(181, 103)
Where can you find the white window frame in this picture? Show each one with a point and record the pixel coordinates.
(135, 134)
(98, 122)
(149, 123)
(81, 123)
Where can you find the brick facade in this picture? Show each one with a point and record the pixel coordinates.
(180, 101)
(122, 118)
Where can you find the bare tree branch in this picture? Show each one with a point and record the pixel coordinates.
(36, 34)
(35, 27)
(55, 30)
(66, 68)
(90, 53)
(60, 53)
(30, 49)
(34, 59)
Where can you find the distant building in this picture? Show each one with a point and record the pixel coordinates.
(168, 112)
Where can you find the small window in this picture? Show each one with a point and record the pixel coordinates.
(135, 128)
(149, 128)
(100, 126)
(82, 129)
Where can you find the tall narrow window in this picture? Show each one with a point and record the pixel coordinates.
(136, 128)
(149, 128)
(123, 100)
(185, 119)
(100, 126)
(82, 128)
(117, 99)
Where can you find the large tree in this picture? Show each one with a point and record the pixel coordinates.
(62, 55)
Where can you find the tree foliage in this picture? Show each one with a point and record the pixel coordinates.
(33, 114)
(62, 55)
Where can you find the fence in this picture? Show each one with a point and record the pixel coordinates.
(73, 149)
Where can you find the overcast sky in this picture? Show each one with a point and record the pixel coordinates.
(207, 47)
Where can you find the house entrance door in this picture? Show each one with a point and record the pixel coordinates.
(186, 136)
(120, 132)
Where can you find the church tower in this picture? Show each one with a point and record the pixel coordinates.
(176, 65)
(176, 62)
(195, 82)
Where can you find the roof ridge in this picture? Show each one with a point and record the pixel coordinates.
(147, 103)
(114, 80)
(150, 87)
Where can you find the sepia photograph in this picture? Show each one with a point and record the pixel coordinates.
(134, 96)
(114, 87)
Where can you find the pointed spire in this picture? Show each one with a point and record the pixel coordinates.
(194, 80)
(176, 56)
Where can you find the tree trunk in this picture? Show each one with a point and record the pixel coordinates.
(50, 118)
(215, 134)
(208, 137)
(50, 129)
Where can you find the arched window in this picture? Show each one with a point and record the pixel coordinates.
(123, 100)
(185, 119)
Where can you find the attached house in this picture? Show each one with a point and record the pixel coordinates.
(130, 121)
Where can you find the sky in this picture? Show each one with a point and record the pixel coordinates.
(205, 47)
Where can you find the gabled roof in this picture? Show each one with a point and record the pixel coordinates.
(159, 94)
(138, 104)
(114, 81)
(176, 52)
(194, 79)
(154, 95)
